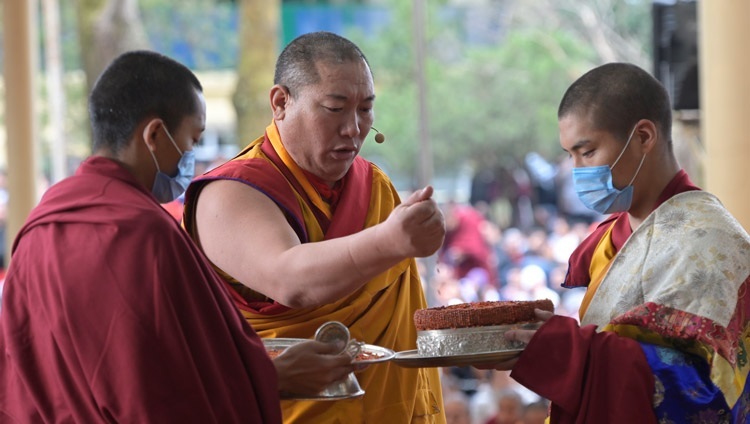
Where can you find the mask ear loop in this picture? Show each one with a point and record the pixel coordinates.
(166, 131)
(637, 170)
(624, 148)
(155, 161)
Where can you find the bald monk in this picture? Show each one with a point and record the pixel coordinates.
(304, 230)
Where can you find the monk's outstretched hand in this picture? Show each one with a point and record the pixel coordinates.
(416, 227)
(306, 368)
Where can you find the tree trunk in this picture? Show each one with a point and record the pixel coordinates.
(108, 28)
(258, 47)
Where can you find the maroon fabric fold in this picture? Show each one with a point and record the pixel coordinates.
(589, 377)
(112, 314)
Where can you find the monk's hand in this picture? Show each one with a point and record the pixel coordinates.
(306, 368)
(524, 336)
(416, 227)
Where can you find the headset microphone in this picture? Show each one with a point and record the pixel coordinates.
(379, 137)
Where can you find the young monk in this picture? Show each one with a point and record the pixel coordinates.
(664, 323)
(110, 312)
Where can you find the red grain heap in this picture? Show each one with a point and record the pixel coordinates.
(479, 314)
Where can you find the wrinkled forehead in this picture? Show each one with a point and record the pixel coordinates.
(349, 80)
(353, 73)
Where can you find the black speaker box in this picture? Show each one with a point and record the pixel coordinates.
(675, 50)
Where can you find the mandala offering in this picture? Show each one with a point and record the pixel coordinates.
(476, 327)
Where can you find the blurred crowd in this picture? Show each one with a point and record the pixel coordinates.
(490, 397)
(480, 261)
(512, 239)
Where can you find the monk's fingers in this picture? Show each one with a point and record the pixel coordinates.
(520, 335)
(500, 366)
(360, 367)
(426, 213)
(543, 315)
(336, 367)
(425, 193)
(419, 196)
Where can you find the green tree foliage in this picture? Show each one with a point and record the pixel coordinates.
(495, 69)
(202, 34)
(492, 99)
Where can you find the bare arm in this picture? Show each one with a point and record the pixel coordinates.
(245, 233)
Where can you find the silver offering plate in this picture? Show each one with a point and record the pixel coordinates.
(369, 354)
(470, 341)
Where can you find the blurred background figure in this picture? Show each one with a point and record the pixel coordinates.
(465, 247)
(509, 408)
(456, 409)
(534, 283)
(535, 413)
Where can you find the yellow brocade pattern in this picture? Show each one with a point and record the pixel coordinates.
(380, 313)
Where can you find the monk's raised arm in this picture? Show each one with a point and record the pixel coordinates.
(244, 233)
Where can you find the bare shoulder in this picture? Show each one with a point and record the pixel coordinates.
(223, 197)
(232, 217)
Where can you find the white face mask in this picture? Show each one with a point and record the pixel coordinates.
(167, 188)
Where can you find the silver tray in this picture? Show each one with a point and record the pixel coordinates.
(412, 359)
(470, 340)
(284, 397)
(379, 353)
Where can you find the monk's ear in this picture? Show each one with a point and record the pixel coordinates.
(150, 132)
(646, 134)
(280, 98)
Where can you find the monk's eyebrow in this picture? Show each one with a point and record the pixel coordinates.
(344, 98)
(579, 145)
(336, 96)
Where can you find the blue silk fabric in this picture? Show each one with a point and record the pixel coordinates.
(684, 392)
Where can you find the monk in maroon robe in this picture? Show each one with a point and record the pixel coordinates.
(110, 313)
(98, 325)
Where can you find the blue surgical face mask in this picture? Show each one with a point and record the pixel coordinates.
(167, 188)
(594, 186)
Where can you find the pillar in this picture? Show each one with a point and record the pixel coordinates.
(724, 31)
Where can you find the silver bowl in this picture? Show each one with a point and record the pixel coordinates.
(346, 388)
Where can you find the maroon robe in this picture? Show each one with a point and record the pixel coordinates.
(111, 314)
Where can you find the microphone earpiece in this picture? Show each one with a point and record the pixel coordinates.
(379, 137)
